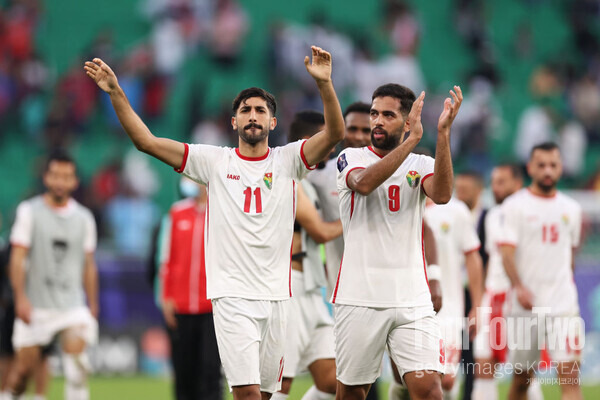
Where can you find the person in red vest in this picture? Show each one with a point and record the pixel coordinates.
(187, 311)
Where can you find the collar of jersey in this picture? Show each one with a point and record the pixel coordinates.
(374, 152)
(260, 158)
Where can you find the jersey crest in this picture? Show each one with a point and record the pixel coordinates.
(413, 178)
(565, 219)
(268, 180)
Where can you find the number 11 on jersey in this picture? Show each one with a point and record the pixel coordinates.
(248, 200)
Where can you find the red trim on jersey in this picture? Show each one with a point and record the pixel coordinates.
(186, 151)
(426, 177)
(352, 205)
(337, 282)
(207, 213)
(506, 244)
(292, 244)
(304, 158)
(423, 251)
(348, 173)
(472, 250)
(378, 155)
(260, 158)
(549, 197)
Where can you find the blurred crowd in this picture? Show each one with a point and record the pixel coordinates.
(58, 109)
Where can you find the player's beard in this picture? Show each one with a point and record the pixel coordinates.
(547, 184)
(389, 142)
(253, 138)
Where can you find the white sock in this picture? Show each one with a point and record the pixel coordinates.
(397, 391)
(73, 392)
(315, 394)
(279, 396)
(485, 389)
(39, 397)
(534, 392)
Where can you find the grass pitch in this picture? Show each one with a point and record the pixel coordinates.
(141, 387)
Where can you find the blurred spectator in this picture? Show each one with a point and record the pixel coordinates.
(131, 214)
(479, 120)
(547, 120)
(584, 97)
(130, 219)
(229, 28)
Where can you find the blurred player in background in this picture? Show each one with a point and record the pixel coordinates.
(357, 134)
(52, 272)
(469, 187)
(487, 346)
(187, 311)
(457, 245)
(541, 229)
(309, 340)
(382, 300)
(250, 221)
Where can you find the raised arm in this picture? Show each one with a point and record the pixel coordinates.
(90, 283)
(308, 217)
(18, 255)
(319, 145)
(439, 188)
(364, 181)
(168, 151)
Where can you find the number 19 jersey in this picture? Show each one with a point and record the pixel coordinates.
(249, 218)
(383, 263)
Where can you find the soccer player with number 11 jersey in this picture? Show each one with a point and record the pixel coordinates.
(250, 219)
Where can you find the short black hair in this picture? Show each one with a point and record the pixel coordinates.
(254, 92)
(358, 107)
(305, 123)
(475, 175)
(405, 95)
(515, 170)
(545, 146)
(59, 155)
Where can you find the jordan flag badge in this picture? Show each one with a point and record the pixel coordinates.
(413, 178)
(268, 180)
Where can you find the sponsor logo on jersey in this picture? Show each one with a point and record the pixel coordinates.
(342, 163)
(413, 178)
(268, 180)
(234, 177)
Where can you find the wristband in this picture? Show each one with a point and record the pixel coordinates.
(434, 272)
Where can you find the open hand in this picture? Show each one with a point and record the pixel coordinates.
(320, 68)
(414, 118)
(101, 73)
(451, 107)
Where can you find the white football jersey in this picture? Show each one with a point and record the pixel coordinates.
(496, 279)
(249, 218)
(544, 231)
(325, 183)
(455, 236)
(384, 262)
